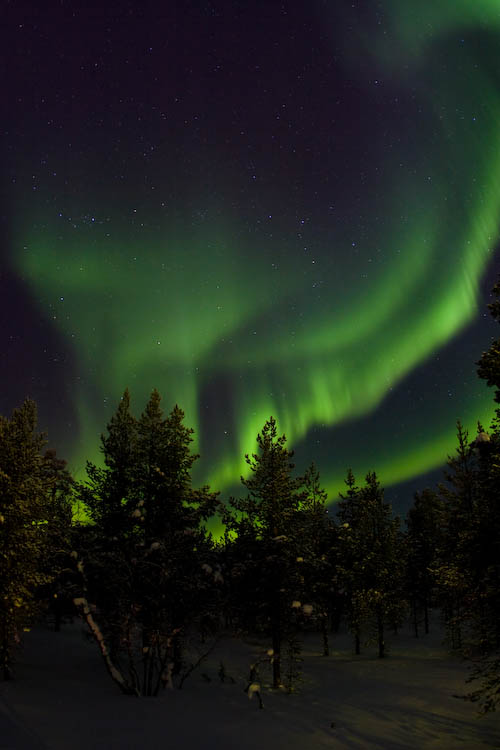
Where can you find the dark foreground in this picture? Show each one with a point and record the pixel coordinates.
(62, 699)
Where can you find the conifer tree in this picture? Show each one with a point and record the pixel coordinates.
(453, 568)
(373, 560)
(385, 565)
(488, 367)
(269, 527)
(109, 499)
(487, 453)
(486, 538)
(107, 492)
(320, 552)
(34, 522)
(148, 562)
(352, 552)
(484, 534)
(467, 568)
(58, 532)
(176, 544)
(424, 539)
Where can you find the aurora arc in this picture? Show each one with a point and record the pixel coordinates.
(315, 327)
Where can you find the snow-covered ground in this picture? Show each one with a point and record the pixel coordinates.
(63, 696)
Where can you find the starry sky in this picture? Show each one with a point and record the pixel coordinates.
(258, 208)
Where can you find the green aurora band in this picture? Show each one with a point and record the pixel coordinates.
(234, 329)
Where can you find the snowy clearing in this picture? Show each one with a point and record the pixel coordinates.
(63, 696)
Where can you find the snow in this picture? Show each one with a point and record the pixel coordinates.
(64, 697)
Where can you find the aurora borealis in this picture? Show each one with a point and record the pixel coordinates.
(258, 208)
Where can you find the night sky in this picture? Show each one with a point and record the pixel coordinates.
(286, 208)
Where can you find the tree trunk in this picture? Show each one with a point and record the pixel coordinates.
(177, 652)
(338, 608)
(5, 663)
(146, 648)
(57, 608)
(426, 616)
(151, 669)
(380, 629)
(276, 636)
(457, 630)
(357, 643)
(83, 606)
(324, 631)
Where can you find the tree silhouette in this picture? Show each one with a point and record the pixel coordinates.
(269, 526)
(144, 566)
(372, 559)
(35, 517)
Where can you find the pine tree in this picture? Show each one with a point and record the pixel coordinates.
(373, 559)
(58, 531)
(147, 566)
(483, 535)
(269, 528)
(107, 493)
(467, 568)
(486, 541)
(33, 525)
(488, 367)
(351, 554)
(486, 449)
(172, 532)
(424, 540)
(453, 568)
(319, 553)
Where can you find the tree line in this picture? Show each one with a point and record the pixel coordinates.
(156, 589)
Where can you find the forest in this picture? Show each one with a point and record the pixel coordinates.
(149, 580)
